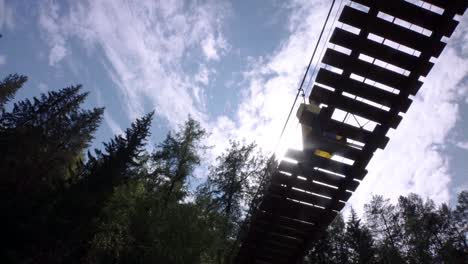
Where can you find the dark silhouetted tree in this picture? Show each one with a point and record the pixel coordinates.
(41, 143)
(383, 221)
(8, 88)
(359, 241)
(176, 158)
(41, 140)
(231, 187)
(103, 172)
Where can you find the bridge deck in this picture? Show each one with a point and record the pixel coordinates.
(305, 196)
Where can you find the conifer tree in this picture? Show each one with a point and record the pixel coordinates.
(125, 205)
(383, 221)
(8, 87)
(79, 209)
(41, 141)
(230, 190)
(359, 241)
(418, 221)
(450, 231)
(330, 248)
(176, 158)
(43, 138)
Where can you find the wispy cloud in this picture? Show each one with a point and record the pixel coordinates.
(462, 144)
(212, 47)
(145, 44)
(414, 160)
(112, 124)
(6, 16)
(272, 81)
(2, 59)
(56, 34)
(43, 87)
(108, 119)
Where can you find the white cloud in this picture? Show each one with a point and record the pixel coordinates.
(212, 46)
(6, 16)
(273, 81)
(57, 53)
(414, 160)
(203, 75)
(43, 87)
(209, 49)
(110, 121)
(56, 36)
(112, 124)
(462, 144)
(145, 44)
(2, 59)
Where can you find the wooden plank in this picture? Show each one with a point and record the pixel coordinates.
(280, 237)
(362, 90)
(261, 245)
(273, 251)
(293, 209)
(371, 71)
(280, 178)
(313, 142)
(381, 52)
(388, 30)
(279, 245)
(267, 257)
(359, 108)
(326, 164)
(414, 14)
(458, 6)
(313, 174)
(277, 253)
(303, 197)
(264, 257)
(284, 221)
(340, 128)
(281, 229)
(257, 241)
(334, 180)
(309, 186)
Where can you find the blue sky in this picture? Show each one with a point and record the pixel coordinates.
(234, 66)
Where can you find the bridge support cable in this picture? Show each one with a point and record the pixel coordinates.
(300, 91)
(309, 189)
(301, 85)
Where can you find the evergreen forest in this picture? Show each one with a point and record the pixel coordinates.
(128, 202)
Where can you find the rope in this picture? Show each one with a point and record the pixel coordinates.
(309, 85)
(300, 91)
(305, 76)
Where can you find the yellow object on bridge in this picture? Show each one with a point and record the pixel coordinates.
(323, 154)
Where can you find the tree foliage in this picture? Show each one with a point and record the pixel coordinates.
(410, 231)
(8, 88)
(122, 203)
(230, 188)
(176, 158)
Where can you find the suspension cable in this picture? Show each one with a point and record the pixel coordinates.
(311, 78)
(305, 76)
(300, 91)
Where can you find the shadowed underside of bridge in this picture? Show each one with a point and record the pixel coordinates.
(378, 58)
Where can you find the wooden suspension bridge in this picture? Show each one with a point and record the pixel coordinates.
(304, 196)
